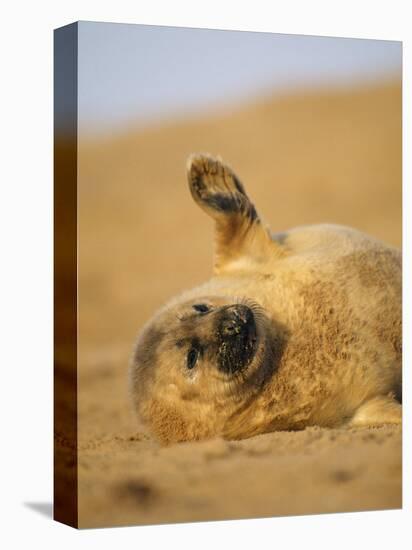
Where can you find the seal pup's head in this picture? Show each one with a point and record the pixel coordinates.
(197, 363)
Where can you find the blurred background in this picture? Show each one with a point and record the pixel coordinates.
(134, 75)
(311, 125)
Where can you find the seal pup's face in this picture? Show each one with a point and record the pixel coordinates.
(198, 362)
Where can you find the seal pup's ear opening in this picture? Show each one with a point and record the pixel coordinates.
(166, 423)
(169, 424)
(240, 235)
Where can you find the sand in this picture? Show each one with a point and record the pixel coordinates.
(320, 156)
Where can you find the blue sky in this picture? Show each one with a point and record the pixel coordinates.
(131, 75)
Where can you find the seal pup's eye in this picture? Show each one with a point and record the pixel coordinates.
(192, 358)
(201, 308)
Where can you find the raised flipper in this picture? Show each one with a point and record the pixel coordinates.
(242, 241)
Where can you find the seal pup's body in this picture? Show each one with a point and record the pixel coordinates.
(297, 329)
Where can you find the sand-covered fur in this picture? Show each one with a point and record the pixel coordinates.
(293, 330)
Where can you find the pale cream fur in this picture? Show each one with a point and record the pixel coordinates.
(327, 301)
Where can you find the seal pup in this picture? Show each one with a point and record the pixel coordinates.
(295, 329)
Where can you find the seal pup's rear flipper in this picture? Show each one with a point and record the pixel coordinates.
(242, 240)
(378, 411)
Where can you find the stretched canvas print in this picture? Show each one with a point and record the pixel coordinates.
(228, 281)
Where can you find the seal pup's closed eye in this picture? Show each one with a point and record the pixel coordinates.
(290, 332)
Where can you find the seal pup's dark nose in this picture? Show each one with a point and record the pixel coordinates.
(237, 337)
(235, 319)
